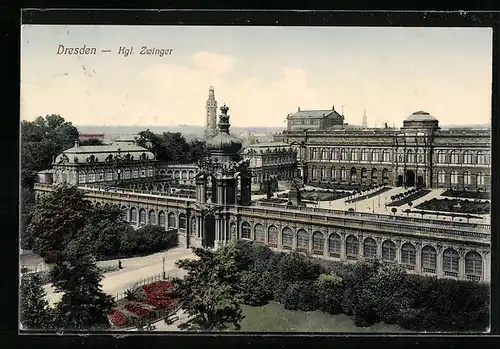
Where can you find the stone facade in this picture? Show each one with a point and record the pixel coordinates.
(419, 153)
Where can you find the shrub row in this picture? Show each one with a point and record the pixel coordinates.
(369, 292)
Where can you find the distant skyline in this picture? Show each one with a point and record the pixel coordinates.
(261, 73)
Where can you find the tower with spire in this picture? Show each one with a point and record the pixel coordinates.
(365, 121)
(211, 120)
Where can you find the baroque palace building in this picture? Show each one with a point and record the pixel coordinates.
(417, 154)
(223, 211)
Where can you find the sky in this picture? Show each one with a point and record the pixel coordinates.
(261, 73)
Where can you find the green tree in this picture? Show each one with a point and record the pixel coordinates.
(197, 151)
(91, 141)
(35, 311)
(41, 141)
(83, 305)
(168, 147)
(209, 292)
(58, 219)
(330, 290)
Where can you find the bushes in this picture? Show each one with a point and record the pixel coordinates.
(370, 292)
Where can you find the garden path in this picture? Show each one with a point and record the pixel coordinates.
(135, 269)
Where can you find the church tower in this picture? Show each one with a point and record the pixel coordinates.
(365, 121)
(211, 121)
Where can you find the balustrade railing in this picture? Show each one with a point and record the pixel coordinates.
(388, 217)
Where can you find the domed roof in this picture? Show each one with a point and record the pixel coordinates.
(421, 116)
(224, 142)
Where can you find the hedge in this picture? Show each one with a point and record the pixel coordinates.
(369, 292)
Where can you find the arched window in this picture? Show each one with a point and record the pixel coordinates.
(473, 264)
(259, 233)
(376, 155)
(324, 154)
(335, 154)
(387, 156)
(354, 155)
(410, 157)
(142, 216)
(364, 155)
(441, 177)
(126, 173)
(315, 154)
(323, 172)
(343, 154)
(334, 245)
(388, 251)
(182, 221)
(135, 173)
(450, 260)
(172, 222)
(480, 178)
(287, 238)
(442, 157)
(318, 243)
(184, 175)
(272, 236)
(454, 177)
(161, 219)
(332, 172)
(124, 213)
(467, 178)
(429, 259)
(353, 174)
(100, 175)
(177, 175)
(467, 157)
(408, 255)
(351, 247)
(133, 215)
(151, 172)
(481, 158)
(302, 240)
(343, 174)
(369, 248)
(455, 157)
(152, 217)
(246, 230)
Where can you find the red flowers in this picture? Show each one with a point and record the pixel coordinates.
(156, 294)
(117, 318)
(139, 311)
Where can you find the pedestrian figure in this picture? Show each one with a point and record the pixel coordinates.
(119, 264)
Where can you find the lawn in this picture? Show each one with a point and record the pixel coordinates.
(274, 318)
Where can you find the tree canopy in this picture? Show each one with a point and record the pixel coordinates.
(209, 291)
(35, 311)
(83, 305)
(41, 141)
(172, 146)
(91, 141)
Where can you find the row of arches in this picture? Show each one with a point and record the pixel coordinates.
(351, 154)
(164, 219)
(181, 174)
(353, 248)
(353, 174)
(460, 178)
(112, 174)
(463, 157)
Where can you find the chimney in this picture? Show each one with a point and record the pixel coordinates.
(298, 108)
(77, 144)
(333, 107)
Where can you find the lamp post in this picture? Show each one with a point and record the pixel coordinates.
(163, 260)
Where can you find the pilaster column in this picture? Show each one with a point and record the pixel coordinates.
(361, 246)
(439, 261)
(294, 239)
(343, 255)
(486, 266)
(310, 248)
(398, 251)
(280, 242)
(418, 259)
(379, 247)
(326, 252)
(461, 264)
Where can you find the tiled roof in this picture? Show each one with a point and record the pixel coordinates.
(101, 152)
(315, 114)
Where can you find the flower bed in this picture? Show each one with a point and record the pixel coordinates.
(141, 312)
(157, 288)
(117, 318)
(456, 205)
